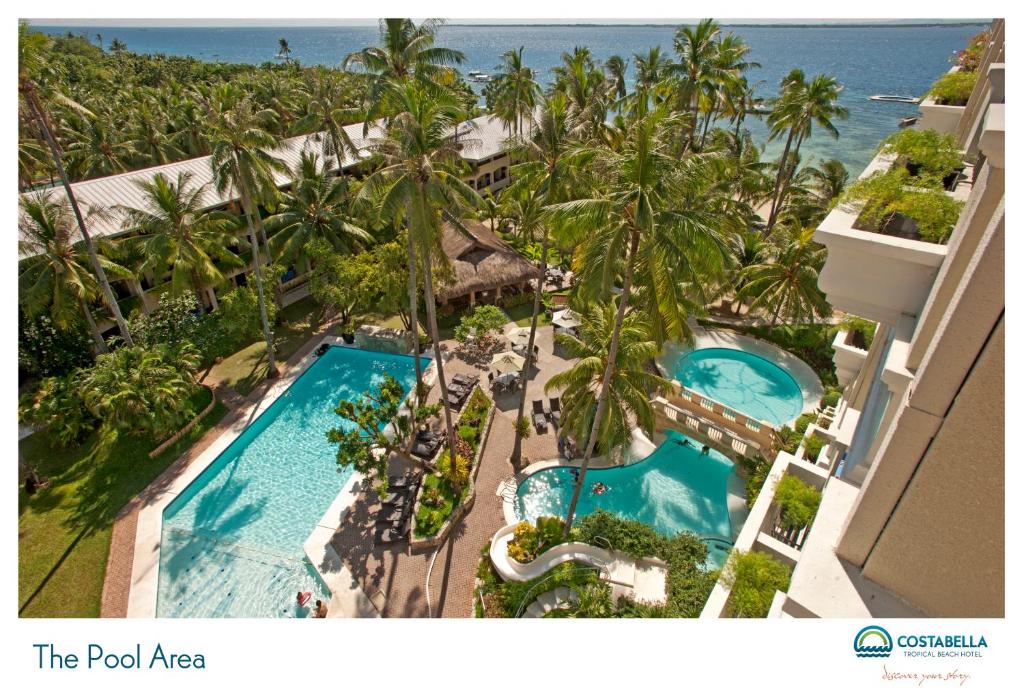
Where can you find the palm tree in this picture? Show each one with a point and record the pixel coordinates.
(798, 107)
(406, 52)
(420, 183)
(54, 275)
(516, 91)
(787, 282)
(32, 60)
(585, 89)
(241, 161)
(328, 110)
(647, 216)
(615, 67)
(544, 175)
(697, 48)
(629, 382)
(177, 235)
(284, 50)
(118, 46)
(316, 207)
(97, 148)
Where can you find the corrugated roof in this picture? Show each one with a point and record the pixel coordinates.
(484, 137)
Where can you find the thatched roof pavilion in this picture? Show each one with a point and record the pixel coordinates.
(482, 264)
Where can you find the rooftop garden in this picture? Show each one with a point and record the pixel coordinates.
(753, 578)
(910, 199)
(954, 88)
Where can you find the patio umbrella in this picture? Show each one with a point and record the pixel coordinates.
(519, 336)
(505, 362)
(566, 318)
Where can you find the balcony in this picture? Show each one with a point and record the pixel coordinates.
(878, 275)
(848, 357)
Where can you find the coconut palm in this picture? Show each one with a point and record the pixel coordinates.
(647, 214)
(32, 60)
(615, 69)
(241, 160)
(786, 283)
(629, 383)
(327, 111)
(545, 176)
(516, 91)
(420, 182)
(316, 207)
(284, 50)
(697, 69)
(176, 234)
(799, 106)
(97, 148)
(406, 52)
(585, 88)
(54, 275)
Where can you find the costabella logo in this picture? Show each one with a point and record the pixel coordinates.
(873, 641)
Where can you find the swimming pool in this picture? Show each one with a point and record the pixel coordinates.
(231, 542)
(741, 380)
(674, 489)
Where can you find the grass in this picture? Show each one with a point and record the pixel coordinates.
(523, 314)
(64, 529)
(430, 519)
(296, 324)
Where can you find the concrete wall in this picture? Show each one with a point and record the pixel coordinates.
(943, 548)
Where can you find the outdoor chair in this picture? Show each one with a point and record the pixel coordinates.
(540, 421)
(556, 410)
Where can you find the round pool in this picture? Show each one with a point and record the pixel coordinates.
(676, 488)
(740, 380)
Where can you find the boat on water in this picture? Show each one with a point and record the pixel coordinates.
(477, 76)
(894, 97)
(908, 121)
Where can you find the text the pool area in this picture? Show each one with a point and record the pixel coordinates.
(740, 380)
(231, 543)
(674, 489)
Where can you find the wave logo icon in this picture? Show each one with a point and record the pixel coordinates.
(872, 641)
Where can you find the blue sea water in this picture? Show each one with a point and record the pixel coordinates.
(866, 60)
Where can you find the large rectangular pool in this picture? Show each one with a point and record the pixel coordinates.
(231, 542)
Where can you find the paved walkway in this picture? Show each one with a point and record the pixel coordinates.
(395, 578)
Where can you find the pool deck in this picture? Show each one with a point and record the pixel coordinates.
(805, 377)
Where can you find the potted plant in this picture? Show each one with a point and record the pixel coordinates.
(927, 153)
(953, 88)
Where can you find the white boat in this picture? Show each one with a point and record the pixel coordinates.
(894, 97)
(477, 76)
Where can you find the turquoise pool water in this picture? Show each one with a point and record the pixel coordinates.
(674, 489)
(231, 543)
(741, 380)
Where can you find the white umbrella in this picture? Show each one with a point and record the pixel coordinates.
(505, 362)
(519, 336)
(566, 318)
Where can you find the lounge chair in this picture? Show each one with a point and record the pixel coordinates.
(403, 482)
(391, 534)
(465, 379)
(426, 449)
(540, 420)
(556, 410)
(398, 498)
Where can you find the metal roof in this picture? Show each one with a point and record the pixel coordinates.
(484, 137)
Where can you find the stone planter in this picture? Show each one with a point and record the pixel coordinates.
(464, 507)
(847, 358)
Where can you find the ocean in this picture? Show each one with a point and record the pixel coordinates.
(866, 59)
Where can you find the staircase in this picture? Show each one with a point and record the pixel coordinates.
(562, 597)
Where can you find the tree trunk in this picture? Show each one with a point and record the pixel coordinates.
(428, 297)
(538, 293)
(778, 181)
(414, 311)
(602, 397)
(272, 372)
(97, 338)
(108, 294)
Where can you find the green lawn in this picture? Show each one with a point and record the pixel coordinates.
(523, 314)
(64, 529)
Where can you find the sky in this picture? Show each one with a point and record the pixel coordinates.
(282, 22)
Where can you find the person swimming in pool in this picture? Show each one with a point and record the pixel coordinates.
(599, 488)
(704, 450)
(575, 475)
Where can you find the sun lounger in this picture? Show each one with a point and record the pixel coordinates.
(399, 498)
(391, 534)
(402, 482)
(540, 420)
(556, 410)
(426, 449)
(465, 379)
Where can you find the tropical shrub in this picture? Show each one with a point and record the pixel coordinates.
(45, 350)
(179, 320)
(457, 475)
(58, 405)
(831, 398)
(969, 57)
(929, 151)
(484, 319)
(239, 315)
(529, 540)
(883, 195)
(953, 88)
(755, 471)
(754, 577)
(813, 446)
(797, 502)
(338, 281)
(861, 331)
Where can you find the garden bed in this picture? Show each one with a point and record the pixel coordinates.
(433, 522)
